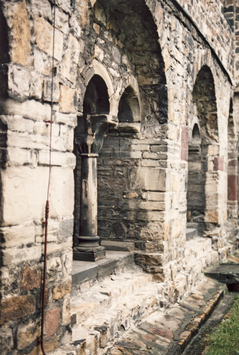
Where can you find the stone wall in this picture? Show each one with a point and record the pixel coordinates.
(25, 112)
(153, 64)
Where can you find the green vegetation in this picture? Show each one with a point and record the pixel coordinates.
(224, 339)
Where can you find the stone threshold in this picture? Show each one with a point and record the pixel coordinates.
(83, 271)
(169, 332)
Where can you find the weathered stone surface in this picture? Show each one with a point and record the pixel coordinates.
(48, 95)
(62, 290)
(29, 109)
(150, 262)
(52, 321)
(184, 143)
(232, 187)
(218, 164)
(43, 33)
(21, 35)
(49, 345)
(67, 99)
(71, 59)
(6, 340)
(30, 278)
(16, 307)
(26, 334)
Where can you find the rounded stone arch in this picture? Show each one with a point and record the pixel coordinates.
(194, 131)
(99, 70)
(139, 43)
(96, 98)
(205, 105)
(129, 106)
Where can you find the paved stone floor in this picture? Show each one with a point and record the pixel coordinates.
(180, 329)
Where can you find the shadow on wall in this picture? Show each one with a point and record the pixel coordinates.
(4, 56)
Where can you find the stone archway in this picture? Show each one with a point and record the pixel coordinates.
(89, 136)
(204, 160)
(129, 108)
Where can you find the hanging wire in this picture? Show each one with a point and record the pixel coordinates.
(48, 189)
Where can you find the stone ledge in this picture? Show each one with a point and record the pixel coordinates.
(85, 270)
(170, 332)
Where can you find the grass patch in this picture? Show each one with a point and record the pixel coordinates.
(224, 339)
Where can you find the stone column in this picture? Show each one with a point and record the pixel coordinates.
(89, 141)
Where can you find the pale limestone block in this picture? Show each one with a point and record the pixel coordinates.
(42, 8)
(43, 129)
(176, 182)
(74, 24)
(167, 58)
(67, 99)
(148, 178)
(66, 311)
(27, 141)
(18, 156)
(61, 21)
(20, 38)
(151, 216)
(36, 84)
(43, 33)
(96, 28)
(58, 143)
(12, 256)
(156, 196)
(71, 59)
(26, 334)
(54, 265)
(42, 62)
(67, 261)
(213, 150)
(99, 53)
(24, 194)
(18, 235)
(59, 247)
(28, 109)
(211, 217)
(68, 119)
(176, 228)
(142, 147)
(48, 93)
(18, 124)
(151, 205)
(62, 192)
(70, 140)
(18, 82)
(57, 159)
(64, 4)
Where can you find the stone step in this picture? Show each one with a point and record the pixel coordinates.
(169, 331)
(227, 273)
(114, 304)
(191, 233)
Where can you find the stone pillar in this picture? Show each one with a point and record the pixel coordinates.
(89, 140)
(89, 243)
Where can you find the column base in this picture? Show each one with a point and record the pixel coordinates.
(94, 254)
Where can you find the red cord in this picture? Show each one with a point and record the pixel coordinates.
(48, 193)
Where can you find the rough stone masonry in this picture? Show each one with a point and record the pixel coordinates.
(149, 90)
